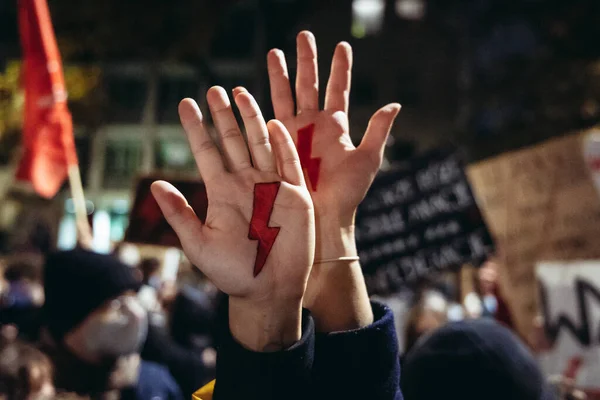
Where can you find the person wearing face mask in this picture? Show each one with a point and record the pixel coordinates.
(95, 328)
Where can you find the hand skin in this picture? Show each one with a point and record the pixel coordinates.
(336, 293)
(264, 310)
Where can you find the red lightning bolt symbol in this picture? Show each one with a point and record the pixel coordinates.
(595, 164)
(264, 199)
(573, 367)
(311, 165)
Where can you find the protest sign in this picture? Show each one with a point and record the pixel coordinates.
(570, 305)
(419, 220)
(146, 222)
(540, 204)
(591, 154)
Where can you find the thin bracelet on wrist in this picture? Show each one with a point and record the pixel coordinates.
(327, 260)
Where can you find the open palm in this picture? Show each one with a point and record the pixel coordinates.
(240, 186)
(344, 172)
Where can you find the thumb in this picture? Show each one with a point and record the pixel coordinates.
(378, 131)
(179, 214)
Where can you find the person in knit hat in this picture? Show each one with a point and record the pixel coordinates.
(94, 328)
(472, 360)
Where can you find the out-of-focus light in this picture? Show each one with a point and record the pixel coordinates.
(101, 239)
(368, 8)
(358, 30)
(367, 17)
(121, 206)
(171, 264)
(70, 206)
(410, 9)
(129, 254)
(67, 233)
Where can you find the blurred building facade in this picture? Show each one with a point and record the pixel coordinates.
(462, 69)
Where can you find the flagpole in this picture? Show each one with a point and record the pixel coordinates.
(84, 231)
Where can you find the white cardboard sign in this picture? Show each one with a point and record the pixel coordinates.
(570, 304)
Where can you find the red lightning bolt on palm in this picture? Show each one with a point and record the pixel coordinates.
(264, 199)
(311, 165)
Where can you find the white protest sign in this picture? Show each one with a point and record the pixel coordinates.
(570, 303)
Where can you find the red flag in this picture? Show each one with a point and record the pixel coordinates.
(49, 146)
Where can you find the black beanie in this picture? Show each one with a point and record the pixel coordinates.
(76, 283)
(472, 360)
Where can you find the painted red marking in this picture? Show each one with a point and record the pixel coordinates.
(310, 164)
(573, 367)
(595, 164)
(264, 199)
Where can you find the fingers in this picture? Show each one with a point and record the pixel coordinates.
(338, 87)
(256, 129)
(287, 156)
(178, 214)
(378, 130)
(237, 90)
(281, 92)
(207, 156)
(234, 145)
(307, 79)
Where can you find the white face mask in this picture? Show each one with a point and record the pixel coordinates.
(120, 332)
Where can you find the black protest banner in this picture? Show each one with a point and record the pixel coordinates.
(418, 220)
(146, 222)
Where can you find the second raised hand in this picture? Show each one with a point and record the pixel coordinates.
(338, 175)
(257, 243)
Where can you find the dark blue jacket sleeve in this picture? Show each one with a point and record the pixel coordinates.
(155, 382)
(248, 375)
(359, 364)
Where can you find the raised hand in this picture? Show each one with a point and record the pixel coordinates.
(257, 243)
(338, 174)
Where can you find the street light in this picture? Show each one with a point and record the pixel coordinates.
(367, 17)
(410, 9)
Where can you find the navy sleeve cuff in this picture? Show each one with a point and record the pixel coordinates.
(362, 363)
(249, 375)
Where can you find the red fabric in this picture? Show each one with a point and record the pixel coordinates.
(264, 199)
(48, 143)
(311, 165)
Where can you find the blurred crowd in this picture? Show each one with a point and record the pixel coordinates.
(84, 325)
(90, 324)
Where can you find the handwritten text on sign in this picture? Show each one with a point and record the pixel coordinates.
(570, 303)
(419, 220)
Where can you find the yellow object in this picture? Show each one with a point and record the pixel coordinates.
(206, 393)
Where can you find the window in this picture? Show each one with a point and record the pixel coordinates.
(126, 98)
(121, 164)
(171, 90)
(173, 155)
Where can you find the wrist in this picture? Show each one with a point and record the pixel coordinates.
(267, 327)
(338, 298)
(334, 240)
